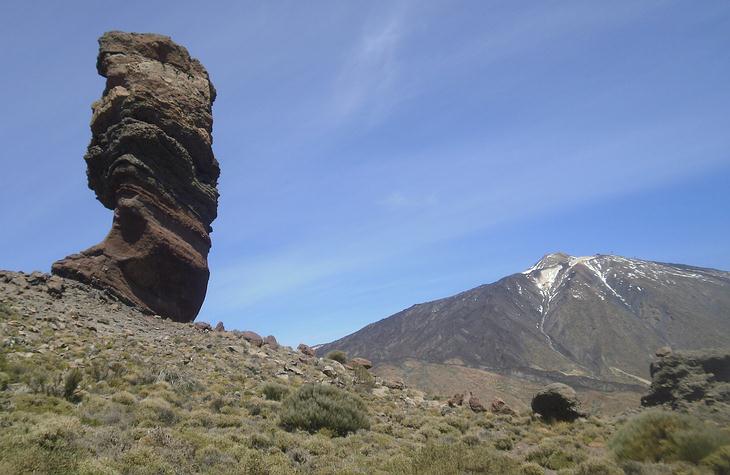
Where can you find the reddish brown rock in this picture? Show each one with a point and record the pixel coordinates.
(150, 160)
(367, 364)
(203, 326)
(498, 406)
(252, 337)
(220, 327)
(305, 349)
(475, 404)
(456, 400)
(271, 341)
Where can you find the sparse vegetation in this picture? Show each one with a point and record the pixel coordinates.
(665, 436)
(337, 355)
(166, 398)
(275, 391)
(315, 407)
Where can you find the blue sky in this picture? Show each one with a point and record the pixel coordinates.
(379, 154)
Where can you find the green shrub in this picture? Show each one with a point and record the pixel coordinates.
(460, 423)
(364, 380)
(71, 383)
(314, 407)
(719, 461)
(337, 355)
(155, 410)
(274, 391)
(438, 459)
(555, 455)
(180, 380)
(531, 468)
(660, 435)
(598, 467)
(504, 443)
(50, 446)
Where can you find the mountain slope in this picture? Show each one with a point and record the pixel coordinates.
(590, 320)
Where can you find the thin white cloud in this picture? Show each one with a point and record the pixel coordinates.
(366, 81)
(620, 163)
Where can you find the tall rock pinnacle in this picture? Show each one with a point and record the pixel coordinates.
(150, 160)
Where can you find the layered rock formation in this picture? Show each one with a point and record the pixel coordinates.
(150, 160)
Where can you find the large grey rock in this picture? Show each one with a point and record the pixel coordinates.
(557, 401)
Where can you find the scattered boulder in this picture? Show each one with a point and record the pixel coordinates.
(271, 341)
(475, 404)
(252, 337)
(220, 327)
(685, 377)
(456, 400)
(36, 278)
(150, 160)
(557, 401)
(329, 371)
(367, 364)
(305, 349)
(55, 286)
(394, 384)
(203, 326)
(498, 406)
(663, 351)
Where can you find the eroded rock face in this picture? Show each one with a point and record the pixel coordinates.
(685, 377)
(150, 160)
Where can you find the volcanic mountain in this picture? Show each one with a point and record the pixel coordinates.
(594, 322)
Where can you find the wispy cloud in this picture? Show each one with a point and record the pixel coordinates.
(367, 80)
(474, 197)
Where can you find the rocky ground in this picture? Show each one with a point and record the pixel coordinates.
(91, 385)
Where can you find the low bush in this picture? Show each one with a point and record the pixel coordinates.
(275, 391)
(556, 455)
(504, 443)
(337, 355)
(364, 380)
(660, 435)
(70, 383)
(719, 461)
(314, 407)
(598, 467)
(438, 459)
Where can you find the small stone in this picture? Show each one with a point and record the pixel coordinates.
(37, 278)
(394, 384)
(202, 326)
(294, 369)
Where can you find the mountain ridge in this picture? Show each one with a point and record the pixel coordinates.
(587, 320)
